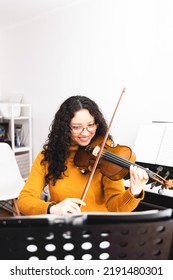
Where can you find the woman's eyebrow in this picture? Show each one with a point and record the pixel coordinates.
(82, 123)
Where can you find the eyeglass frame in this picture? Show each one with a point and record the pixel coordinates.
(94, 128)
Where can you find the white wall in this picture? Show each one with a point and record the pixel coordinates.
(95, 48)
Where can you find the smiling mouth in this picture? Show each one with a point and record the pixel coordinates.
(84, 138)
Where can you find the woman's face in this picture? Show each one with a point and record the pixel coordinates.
(83, 128)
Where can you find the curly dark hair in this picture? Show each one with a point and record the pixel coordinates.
(56, 148)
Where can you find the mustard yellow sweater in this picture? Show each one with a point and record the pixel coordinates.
(104, 195)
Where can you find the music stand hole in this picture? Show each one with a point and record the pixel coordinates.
(86, 234)
(160, 229)
(30, 238)
(87, 257)
(33, 258)
(104, 244)
(69, 257)
(124, 231)
(104, 234)
(142, 231)
(31, 248)
(123, 244)
(51, 258)
(158, 241)
(141, 243)
(140, 254)
(86, 245)
(50, 247)
(104, 256)
(68, 246)
(50, 236)
(67, 235)
(156, 252)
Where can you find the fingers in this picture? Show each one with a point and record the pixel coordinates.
(72, 205)
(77, 200)
(68, 206)
(138, 178)
(138, 173)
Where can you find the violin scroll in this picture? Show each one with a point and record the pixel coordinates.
(168, 184)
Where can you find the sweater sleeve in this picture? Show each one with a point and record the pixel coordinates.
(29, 200)
(117, 198)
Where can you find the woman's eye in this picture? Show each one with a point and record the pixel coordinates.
(91, 125)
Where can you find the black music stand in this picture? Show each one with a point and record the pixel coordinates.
(145, 235)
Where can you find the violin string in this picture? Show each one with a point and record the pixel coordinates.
(125, 163)
(116, 159)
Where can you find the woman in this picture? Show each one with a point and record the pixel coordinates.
(77, 122)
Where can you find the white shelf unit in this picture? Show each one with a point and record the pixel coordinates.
(24, 152)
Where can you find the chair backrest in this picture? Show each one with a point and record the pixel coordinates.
(11, 181)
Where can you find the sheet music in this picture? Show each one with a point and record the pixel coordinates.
(148, 142)
(154, 144)
(165, 156)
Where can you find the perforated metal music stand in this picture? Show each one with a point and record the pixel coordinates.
(143, 236)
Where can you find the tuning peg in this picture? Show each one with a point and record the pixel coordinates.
(167, 174)
(159, 169)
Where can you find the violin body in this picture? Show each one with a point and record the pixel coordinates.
(110, 163)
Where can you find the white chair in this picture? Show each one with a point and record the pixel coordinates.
(11, 181)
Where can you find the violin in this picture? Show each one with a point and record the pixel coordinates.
(114, 162)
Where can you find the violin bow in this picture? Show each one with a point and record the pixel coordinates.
(101, 149)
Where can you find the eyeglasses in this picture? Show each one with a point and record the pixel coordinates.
(77, 129)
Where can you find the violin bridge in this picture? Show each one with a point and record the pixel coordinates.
(96, 151)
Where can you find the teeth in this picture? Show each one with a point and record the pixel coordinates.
(83, 138)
